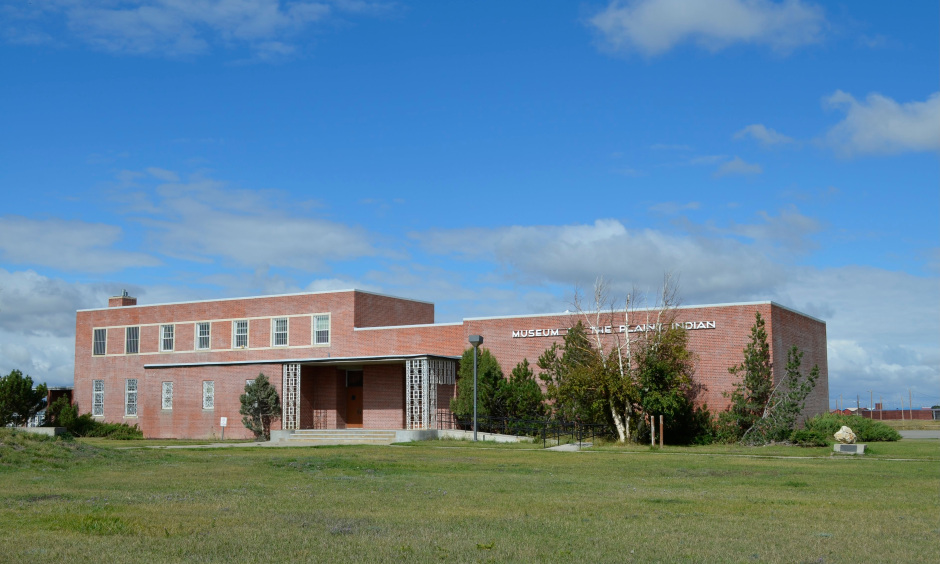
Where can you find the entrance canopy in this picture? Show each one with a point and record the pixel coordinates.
(423, 374)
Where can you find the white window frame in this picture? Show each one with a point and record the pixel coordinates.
(130, 397)
(208, 394)
(199, 336)
(167, 333)
(275, 332)
(166, 396)
(103, 341)
(128, 331)
(236, 323)
(97, 398)
(316, 335)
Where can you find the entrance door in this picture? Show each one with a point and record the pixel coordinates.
(354, 399)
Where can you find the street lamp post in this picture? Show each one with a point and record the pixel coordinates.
(476, 341)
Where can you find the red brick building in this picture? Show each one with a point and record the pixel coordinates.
(351, 359)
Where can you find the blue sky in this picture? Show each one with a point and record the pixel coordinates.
(490, 157)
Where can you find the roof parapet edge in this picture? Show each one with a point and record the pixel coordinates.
(354, 290)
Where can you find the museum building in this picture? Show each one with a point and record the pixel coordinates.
(355, 359)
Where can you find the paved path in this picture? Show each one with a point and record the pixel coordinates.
(571, 447)
(933, 434)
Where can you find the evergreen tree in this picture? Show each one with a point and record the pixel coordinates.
(19, 401)
(750, 395)
(489, 377)
(520, 397)
(260, 406)
(785, 404)
(576, 378)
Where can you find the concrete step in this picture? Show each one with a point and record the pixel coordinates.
(342, 436)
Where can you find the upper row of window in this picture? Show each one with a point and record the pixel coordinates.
(203, 334)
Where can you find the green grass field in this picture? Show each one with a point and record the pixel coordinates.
(451, 501)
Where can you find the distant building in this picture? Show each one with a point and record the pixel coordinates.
(349, 359)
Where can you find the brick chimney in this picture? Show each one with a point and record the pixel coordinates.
(122, 300)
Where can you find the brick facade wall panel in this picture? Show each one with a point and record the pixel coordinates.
(373, 310)
(300, 331)
(809, 335)
(383, 397)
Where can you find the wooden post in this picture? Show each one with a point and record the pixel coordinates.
(910, 402)
(652, 430)
(660, 431)
(881, 412)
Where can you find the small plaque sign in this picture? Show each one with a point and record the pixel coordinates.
(849, 449)
(223, 422)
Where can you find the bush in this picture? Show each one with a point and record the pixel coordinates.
(62, 413)
(866, 430)
(806, 438)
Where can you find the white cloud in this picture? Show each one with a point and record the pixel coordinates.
(763, 134)
(189, 27)
(882, 326)
(738, 166)
(653, 27)
(789, 230)
(880, 126)
(204, 220)
(67, 245)
(569, 255)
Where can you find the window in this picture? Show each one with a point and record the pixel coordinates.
(130, 397)
(166, 337)
(101, 342)
(240, 334)
(279, 332)
(321, 329)
(131, 340)
(97, 398)
(208, 394)
(167, 395)
(202, 336)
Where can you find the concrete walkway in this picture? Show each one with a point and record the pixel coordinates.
(571, 447)
(932, 434)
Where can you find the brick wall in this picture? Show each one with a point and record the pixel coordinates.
(374, 310)
(187, 418)
(383, 396)
(787, 329)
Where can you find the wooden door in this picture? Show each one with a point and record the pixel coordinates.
(354, 399)
(354, 407)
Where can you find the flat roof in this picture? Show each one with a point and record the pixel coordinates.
(338, 360)
(258, 298)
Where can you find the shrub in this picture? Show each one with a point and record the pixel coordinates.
(806, 438)
(62, 413)
(866, 430)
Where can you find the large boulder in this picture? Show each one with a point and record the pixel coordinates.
(845, 436)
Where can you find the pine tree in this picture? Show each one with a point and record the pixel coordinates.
(751, 394)
(489, 376)
(260, 406)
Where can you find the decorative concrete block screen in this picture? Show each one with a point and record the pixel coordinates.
(422, 376)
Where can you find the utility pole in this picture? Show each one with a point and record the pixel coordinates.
(910, 402)
(881, 412)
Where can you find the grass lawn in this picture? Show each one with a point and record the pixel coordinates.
(451, 501)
